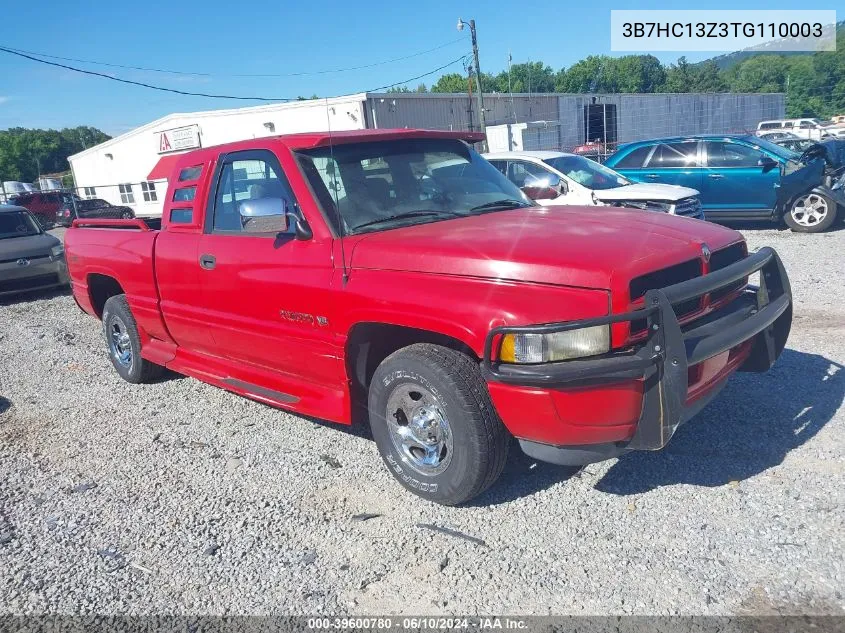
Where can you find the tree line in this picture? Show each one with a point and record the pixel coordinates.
(814, 83)
(26, 153)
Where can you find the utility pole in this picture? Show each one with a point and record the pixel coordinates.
(481, 118)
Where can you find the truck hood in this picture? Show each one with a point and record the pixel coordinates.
(646, 191)
(27, 246)
(571, 246)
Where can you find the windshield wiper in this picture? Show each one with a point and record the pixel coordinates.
(509, 203)
(409, 214)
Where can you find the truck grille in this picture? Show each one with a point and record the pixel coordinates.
(725, 257)
(689, 207)
(683, 272)
(14, 285)
(662, 278)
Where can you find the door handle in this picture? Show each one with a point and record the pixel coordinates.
(716, 176)
(207, 261)
(652, 176)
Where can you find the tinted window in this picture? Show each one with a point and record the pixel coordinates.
(190, 173)
(673, 155)
(17, 224)
(721, 154)
(772, 125)
(634, 159)
(181, 216)
(244, 180)
(185, 194)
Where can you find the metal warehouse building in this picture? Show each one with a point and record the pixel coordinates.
(132, 168)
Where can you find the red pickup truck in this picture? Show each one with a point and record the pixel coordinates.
(397, 272)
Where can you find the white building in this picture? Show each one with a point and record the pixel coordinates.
(132, 169)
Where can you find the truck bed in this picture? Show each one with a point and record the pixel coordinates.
(100, 252)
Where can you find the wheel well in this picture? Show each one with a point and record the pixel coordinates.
(101, 288)
(370, 343)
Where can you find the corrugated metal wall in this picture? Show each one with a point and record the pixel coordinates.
(639, 116)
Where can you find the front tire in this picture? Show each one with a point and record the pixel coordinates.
(435, 425)
(811, 213)
(124, 343)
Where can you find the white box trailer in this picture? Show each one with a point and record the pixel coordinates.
(524, 137)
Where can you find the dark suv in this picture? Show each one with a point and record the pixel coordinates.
(93, 208)
(46, 206)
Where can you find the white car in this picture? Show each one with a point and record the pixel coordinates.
(804, 128)
(553, 178)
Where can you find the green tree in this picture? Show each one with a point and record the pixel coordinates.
(450, 82)
(24, 153)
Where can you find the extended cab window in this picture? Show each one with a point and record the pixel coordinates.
(251, 180)
(382, 185)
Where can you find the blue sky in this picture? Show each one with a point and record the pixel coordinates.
(263, 37)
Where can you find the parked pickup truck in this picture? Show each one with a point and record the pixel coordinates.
(399, 273)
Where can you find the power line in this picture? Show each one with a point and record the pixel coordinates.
(205, 94)
(254, 75)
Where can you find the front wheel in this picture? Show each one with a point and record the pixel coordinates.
(124, 343)
(811, 213)
(435, 425)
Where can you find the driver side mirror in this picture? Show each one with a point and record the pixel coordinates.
(545, 188)
(264, 215)
(767, 163)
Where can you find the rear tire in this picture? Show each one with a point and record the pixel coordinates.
(435, 425)
(811, 213)
(124, 343)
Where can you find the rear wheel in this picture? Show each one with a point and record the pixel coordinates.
(435, 425)
(811, 213)
(124, 343)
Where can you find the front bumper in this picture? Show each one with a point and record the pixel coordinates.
(38, 273)
(757, 322)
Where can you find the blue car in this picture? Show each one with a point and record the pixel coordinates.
(740, 177)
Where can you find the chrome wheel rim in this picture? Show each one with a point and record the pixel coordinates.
(419, 429)
(119, 342)
(809, 210)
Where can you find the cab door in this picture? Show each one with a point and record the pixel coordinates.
(265, 293)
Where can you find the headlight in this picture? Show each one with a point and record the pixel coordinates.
(57, 251)
(548, 348)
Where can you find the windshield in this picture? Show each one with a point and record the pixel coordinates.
(17, 224)
(587, 172)
(382, 185)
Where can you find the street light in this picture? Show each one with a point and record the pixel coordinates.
(481, 118)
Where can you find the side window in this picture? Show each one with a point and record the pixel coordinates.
(126, 195)
(149, 191)
(674, 155)
(634, 159)
(252, 197)
(521, 171)
(721, 154)
(806, 125)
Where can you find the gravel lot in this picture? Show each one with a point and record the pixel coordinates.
(181, 498)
